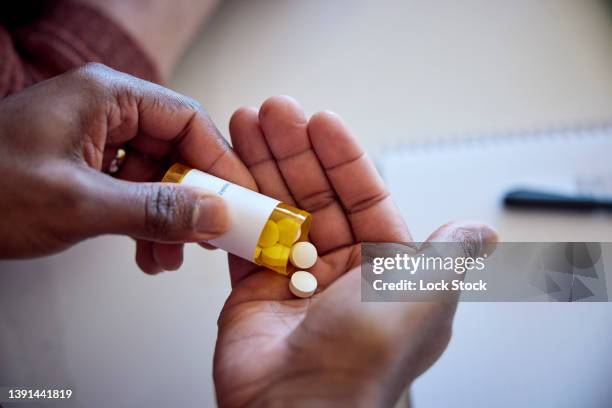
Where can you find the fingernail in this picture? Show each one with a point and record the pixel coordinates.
(212, 217)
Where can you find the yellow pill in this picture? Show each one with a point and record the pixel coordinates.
(269, 235)
(257, 252)
(289, 231)
(276, 255)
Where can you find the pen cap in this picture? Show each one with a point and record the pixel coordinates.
(255, 218)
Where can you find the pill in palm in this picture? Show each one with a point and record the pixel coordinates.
(303, 255)
(303, 284)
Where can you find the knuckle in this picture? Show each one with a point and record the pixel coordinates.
(93, 70)
(319, 200)
(167, 212)
(170, 99)
(194, 104)
(92, 77)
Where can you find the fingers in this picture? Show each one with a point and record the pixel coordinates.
(158, 212)
(168, 256)
(467, 239)
(155, 257)
(168, 120)
(475, 237)
(208, 246)
(361, 190)
(154, 121)
(286, 132)
(251, 146)
(144, 257)
(139, 167)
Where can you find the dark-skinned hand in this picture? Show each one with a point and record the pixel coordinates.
(331, 349)
(57, 140)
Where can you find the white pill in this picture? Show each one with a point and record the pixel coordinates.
(303, 284)
(303, 255)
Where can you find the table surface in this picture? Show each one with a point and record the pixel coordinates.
(395, 70)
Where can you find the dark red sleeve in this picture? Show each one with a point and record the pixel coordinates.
(64, 36)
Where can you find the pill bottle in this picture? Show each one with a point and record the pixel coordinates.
(262, 230)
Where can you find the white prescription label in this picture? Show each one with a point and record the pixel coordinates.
(249, 212)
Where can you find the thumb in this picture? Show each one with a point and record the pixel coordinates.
(459, 239)
(162, 212)
(473, 238)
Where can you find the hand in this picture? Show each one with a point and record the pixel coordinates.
(330, 349)
(57, 137)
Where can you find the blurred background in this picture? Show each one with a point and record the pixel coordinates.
(398, 72)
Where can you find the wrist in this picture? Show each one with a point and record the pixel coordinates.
(331, 389)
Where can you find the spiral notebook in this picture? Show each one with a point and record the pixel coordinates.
(466, 179)
(512, 354)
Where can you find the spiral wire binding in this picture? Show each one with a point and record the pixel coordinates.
(491, 140)
(497, 139)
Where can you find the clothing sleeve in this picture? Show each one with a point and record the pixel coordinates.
(64, 36)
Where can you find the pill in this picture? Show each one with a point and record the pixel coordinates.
(275, 255)
(289, 231)
(269, 235)
(303, 284)
(303, 255)
(257, 252)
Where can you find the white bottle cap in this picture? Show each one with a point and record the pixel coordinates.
(249, 212)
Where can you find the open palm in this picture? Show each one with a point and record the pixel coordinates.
(330, 348)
